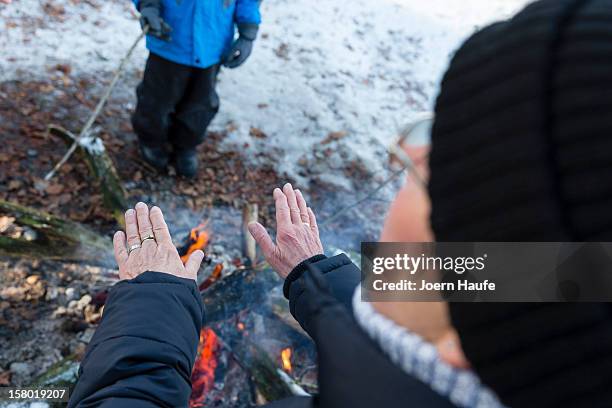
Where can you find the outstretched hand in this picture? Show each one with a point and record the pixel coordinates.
(297, 233)
(147, 245)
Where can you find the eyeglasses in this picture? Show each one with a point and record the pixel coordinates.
(412, 146)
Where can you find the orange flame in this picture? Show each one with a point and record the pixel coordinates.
(240, 326)
(203, 375)
(214, 276)
(198, 238)
(286, 358)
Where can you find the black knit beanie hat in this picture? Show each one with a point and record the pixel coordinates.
(522, 151)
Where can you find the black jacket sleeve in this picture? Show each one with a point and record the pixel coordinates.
(143, 351)
(341, 274)
(353, 371)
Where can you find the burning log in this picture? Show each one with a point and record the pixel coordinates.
(101, 168)
(264, 372)
(280, 309)
(26, 232)
(249, 215)
(214, 276)
(237, 292)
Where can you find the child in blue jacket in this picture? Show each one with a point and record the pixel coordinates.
(188, 41)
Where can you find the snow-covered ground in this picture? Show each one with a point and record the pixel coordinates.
(363, 67)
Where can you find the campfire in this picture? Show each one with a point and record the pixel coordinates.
(238, 360)
(251, 351)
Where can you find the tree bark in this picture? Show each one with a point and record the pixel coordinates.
(102, 169)
(234, 293)
(45, 236)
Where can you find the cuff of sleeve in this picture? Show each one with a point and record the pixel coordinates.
(161, 277)
(248, 31)
(298, 271)
(175, 303)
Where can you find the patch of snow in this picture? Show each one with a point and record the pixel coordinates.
(92, 144)
(363, 68)
(35, 37)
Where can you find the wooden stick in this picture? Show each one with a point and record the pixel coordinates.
(249, 215)
(92, 118)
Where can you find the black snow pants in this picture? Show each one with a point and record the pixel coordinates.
(176, 103)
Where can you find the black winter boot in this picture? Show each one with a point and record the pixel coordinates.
(186, 162)
(155, 156)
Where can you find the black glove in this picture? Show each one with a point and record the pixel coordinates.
(242, 47)
(150, 11)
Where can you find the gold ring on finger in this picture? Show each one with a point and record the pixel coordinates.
(132, 248)
(150, 236)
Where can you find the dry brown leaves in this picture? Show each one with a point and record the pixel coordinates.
(28, 152)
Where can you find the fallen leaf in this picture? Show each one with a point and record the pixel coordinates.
(14, 185)
(334, 136)
(282, 51)
(5, 223)
(5, 378)
(65, 198)
(46, 88)
(55, 189)
(257, 133)
(64, 68)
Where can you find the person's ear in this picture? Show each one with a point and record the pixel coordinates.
(450, 350)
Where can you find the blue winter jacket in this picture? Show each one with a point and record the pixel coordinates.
(202, 30)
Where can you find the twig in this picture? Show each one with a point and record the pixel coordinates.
(399, 154)
(295, 388)
(84, 132)
(58, 129)
(394, 175)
